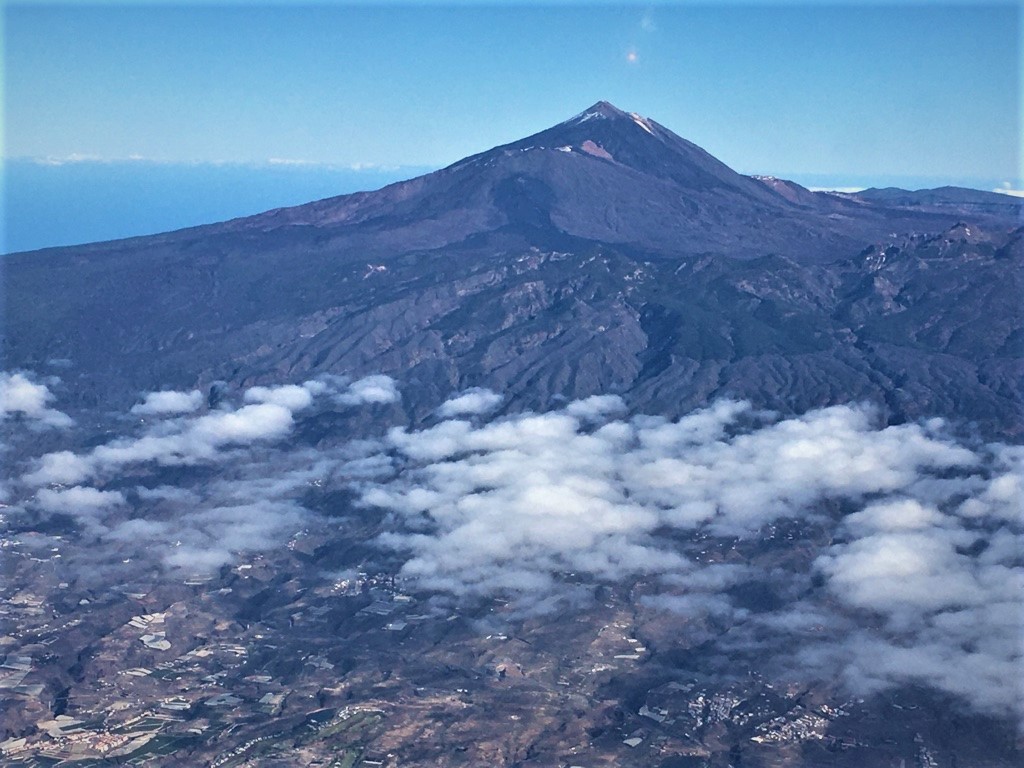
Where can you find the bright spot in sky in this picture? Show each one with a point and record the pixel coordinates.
(632, 57)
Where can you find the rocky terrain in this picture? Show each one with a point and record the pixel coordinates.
(584, 451)
(550, 268)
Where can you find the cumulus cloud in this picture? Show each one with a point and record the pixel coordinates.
(947, 584)
(840, 190)
(1006, 188)
(248, 508)
(474, 401)
(371, 390)
(216, 534)
(20, 396)
(903, 564)
(180, 442)
(167, 493)
(203, 521)
(61, 467)
(596, 408)
(262, 421)
(290, 396)
(518, 500)
(526, 506)
(79, 500)
(169, 402)
(256, 504)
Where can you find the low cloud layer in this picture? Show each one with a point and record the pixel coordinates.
(251, 504)
(78, 499)
(519, 500)
(946, 577)
(922, 585)
(473, 401)
(371, 390)
(176, 442)
(266, 415)
(20, 396)
(169, 402)
(903, 561)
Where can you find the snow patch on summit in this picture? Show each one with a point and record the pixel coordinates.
(642, 122)
(584, 116)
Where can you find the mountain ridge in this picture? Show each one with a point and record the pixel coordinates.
(678, 178)
(546, 273)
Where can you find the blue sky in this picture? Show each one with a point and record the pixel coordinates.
(824, 93)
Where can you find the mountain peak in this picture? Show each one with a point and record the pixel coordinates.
(602, 108)
(606, 111)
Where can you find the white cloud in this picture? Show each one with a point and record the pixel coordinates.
(78, 500)
(932, 548)
(290, 396)
(20, 396)
(249, 505)
(841, 190)
(545, 493)
(168, 493)
(62, 467)
(168, 402)
(473, 401)
(596, 408)
(262, 421)
(291, 161)
(913, 539)
(202, 559)
(894, 515)
(1007, 188)
(371, 390)
(889, 571)
(74, 157)
(185, 441)
(947, 586)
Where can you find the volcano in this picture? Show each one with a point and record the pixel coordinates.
(606, 176)
(603, 254)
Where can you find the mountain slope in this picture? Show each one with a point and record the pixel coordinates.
(604, 175)
(605, 254)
